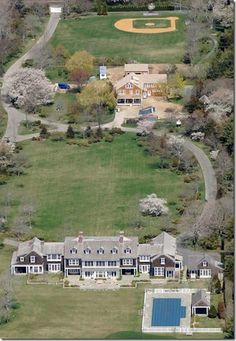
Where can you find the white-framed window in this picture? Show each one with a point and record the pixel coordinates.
(159, 271)
(163, 260)
(111, 263)
(87, 250)
(129, 86)
(128, 261)
(205, 272)
(88, 263)
(32, 259)
(204, 263)
(54, 267)
(144, 268)
(73, 261)
(73, 251)
(88, 274)
(137, 92)
(100, 251)
(114, 250)
(144, 258)
(22, 259)
(100, 263)
(55, 256)
(127, 250)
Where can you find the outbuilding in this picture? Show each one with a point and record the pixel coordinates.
(200, 303)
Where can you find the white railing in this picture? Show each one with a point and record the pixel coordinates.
(181, 330)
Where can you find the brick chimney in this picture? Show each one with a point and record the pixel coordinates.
(81, 237)
(121, 237)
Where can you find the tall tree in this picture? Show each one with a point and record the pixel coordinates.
(96, 99)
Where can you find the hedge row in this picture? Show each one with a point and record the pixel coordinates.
(129, 8)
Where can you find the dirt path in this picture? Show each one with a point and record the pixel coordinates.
(127, 25)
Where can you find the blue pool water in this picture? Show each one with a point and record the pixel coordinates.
(167, 312)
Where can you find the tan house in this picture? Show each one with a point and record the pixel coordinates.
(138, 85)
(138, 69)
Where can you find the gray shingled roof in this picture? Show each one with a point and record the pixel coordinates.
(164, 243)
(53, 248)
(30, 245)
(193, 258)
(200, 298)
(107, 243)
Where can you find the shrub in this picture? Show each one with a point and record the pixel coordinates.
(109, 138)
(58, 136)
(70, 134)
(83, 143)
(212, 313)
(28, 63)
(116, 131)
(221, 310)
(66, 283)
(163, 164)
(44, 133)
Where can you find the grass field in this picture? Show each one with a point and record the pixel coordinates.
(95, 189)
(97, 35)
(151, 23)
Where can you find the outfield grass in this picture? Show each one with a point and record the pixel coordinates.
(95, 189)
(97, 35)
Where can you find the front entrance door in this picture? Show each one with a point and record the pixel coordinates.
(169, 273)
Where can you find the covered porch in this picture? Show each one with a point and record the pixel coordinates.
(129, 101)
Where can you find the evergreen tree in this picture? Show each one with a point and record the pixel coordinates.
(70, 134)
(212, 313)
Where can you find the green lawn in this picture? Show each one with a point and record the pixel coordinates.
(60, 110)
(156, 23)
(97, 35)
(95, 189)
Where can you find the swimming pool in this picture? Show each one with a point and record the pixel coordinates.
(167, 312)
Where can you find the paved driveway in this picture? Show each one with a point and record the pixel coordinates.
(16, 116)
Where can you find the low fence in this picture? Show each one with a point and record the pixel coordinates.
(181, 330)
(180, 291)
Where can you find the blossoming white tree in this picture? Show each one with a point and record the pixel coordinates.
(152, 205)
(29, 87)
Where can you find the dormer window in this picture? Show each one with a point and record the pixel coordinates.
(163, 261)
(32, 259)
(127, 250)
(204, 263)
(129, 86)
(87, 251)
(22, 259)
(114, 250)
(100, 251)
(73, 251)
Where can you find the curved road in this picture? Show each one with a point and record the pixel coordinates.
(15, 116)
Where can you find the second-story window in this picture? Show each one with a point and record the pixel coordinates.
(127, 250)
(87, 251)
(114, 250)
(204, 263)
(163, 260)
(32, 259)
(22, 259)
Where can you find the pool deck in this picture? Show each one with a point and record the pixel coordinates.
(162, 293)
